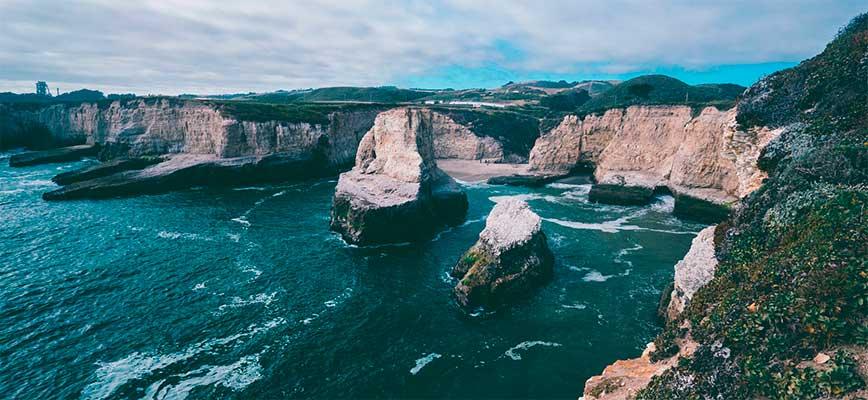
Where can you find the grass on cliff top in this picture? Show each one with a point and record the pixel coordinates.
(793, 274)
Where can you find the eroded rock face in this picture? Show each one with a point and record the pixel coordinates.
(703, 156)
(694, 271)
(156, 127)
(510, 258)
(453, 140)
(395, 193)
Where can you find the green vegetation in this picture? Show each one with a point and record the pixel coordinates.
(567, 100)
(793, 274)
(661, 89)
(313, 113)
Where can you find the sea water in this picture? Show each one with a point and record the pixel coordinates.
(244, 293)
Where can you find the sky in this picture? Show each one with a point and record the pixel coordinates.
(209, 47)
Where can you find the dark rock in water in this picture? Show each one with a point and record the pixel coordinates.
(524, 180)
(510, 259)
(396, 193)
(186, 171)
(63, 154)
(704, 211)
(105, 169)
(621, 195)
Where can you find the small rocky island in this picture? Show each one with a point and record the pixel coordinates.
(510, 258)
(396, 193)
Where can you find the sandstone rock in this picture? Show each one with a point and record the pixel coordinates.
(694, 271)
(453, 140)
(63, 154)
(184, 171)
(623, 379)
(105, 169)
(510, 258)
(703, 156)
(395, 193)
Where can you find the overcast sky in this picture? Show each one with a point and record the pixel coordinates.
(206, 47)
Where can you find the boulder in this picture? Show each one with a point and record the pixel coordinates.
(510, 258)
(396, 193)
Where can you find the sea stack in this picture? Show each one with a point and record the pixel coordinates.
(395, 193)
(510, 258)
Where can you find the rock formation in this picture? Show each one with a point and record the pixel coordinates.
(453, 140)
(395, 193)
(510, 258)
(702, 156)
(62, 154)
(694, 271)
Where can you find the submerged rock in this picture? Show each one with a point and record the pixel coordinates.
(395, 193)
(621, 195)
(510, 258)
(532, 180)
(63, 154)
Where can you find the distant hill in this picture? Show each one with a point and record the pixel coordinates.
(383, 94)
(662, 89)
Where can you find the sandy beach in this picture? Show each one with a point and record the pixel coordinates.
(476, 171)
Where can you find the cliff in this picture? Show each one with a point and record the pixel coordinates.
(395, 192)
(701, 155)
(783, 315)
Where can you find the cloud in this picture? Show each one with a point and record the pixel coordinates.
(175, 46)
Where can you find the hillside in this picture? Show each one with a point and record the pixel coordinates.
(661, 89)
(792, 278)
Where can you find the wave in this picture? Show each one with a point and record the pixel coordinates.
(422, 362)
(613, 226)
(110, 376)
(235, 376)
(596, 276)
(574, 306)
(513, 351)
(182, 235)
(261, 298)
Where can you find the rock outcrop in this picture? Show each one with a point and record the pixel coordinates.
(395, 193)
(624, 378)
(702, 156)
(453, 140)
(510, 258)
(694, 271)
(62, 154)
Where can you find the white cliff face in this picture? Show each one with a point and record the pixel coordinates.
(170, 126)
(703, 156)
(694, 271)
(453, 140)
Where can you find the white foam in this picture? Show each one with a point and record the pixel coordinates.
(110, 376)
(181, 235)
(261, 298)
(596, 276)
(513, 351)
(199, 286)
(235, 376)
(422, 362)
(664, 204)
(558, 185)
(575, 306)
(242, 220)
(234, 237)
(613, 226)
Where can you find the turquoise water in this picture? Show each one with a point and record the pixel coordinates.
(246, 294)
